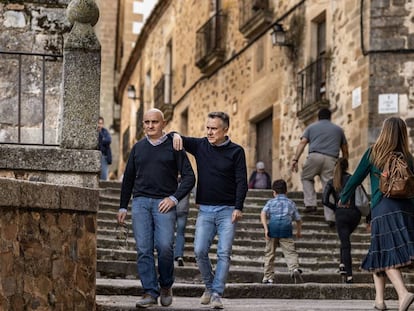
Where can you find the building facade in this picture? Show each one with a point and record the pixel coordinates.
(119, 25)
(192, 57)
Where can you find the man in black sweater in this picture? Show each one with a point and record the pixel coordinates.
(221, 191)
(151, 177)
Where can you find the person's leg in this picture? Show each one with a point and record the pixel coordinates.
(142, 225)
(204, 235)
(269, 259)
(225, 231)
(104, 168)
(404, 297)
(379, 283)
(344, 234)
(310, 170)
(180, 234)
(164, 228)
(289, 251)
(326, 173)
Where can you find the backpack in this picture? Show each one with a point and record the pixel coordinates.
(397, 179)
(362, 200)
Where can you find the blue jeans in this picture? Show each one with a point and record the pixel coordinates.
(208, 225)
(153, 229)
(180, 234)
(104, 167)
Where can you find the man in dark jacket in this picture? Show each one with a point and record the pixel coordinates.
(151, 177)
(104, 145)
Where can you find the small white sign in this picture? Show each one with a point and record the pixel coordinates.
(356, 97)
(387, 103)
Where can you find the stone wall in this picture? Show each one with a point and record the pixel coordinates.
(47, 246)
(49, 195)
(391, 50)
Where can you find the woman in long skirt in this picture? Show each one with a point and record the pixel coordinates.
(392, 224)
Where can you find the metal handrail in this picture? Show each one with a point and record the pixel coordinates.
(10, 123)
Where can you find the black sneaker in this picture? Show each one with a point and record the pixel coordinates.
(349, 280)
(296, 275)
(342, 269)
(267, 281)
(180, 261)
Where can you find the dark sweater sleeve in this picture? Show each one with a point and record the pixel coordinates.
(357, 178)
(187, 175)
(128, 180)
(241, 179)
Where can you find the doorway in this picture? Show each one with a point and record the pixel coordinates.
(264, 140)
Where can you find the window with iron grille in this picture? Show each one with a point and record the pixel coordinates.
(312, 80)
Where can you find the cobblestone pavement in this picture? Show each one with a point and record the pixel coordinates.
(186, 304)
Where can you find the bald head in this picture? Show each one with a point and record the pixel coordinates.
(154, 123)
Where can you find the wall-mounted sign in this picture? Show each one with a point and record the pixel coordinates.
(356, 97)
(387, 103)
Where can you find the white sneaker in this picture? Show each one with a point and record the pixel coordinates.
(216, 301)
(205, 298)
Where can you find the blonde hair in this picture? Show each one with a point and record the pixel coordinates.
(393, 137)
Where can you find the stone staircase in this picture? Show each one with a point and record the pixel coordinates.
(318, 256)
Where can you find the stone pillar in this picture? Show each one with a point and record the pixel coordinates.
(81, 78)
(49, 196)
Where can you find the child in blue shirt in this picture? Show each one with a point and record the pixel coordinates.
(277, 216)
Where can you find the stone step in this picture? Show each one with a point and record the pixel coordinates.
(318, 256)
(109, 226)
(127, 269)
(238, 274)
(307, 290)
(317, 236)
(127, 303)
(245, 246)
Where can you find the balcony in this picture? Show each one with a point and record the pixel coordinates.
(312, 89)
(255, 17)
(162, 96)
(210, 51)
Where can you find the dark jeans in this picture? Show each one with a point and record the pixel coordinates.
(347, 219)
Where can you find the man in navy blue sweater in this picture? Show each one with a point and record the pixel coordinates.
(221, 191)
(151, 177)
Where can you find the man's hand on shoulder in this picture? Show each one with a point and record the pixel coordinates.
(177, 141)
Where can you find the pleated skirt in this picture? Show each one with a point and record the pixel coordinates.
(392, 235)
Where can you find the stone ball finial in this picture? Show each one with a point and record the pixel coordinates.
(83, 11)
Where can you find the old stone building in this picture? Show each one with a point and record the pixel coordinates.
(119, 24)
(192, 57)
